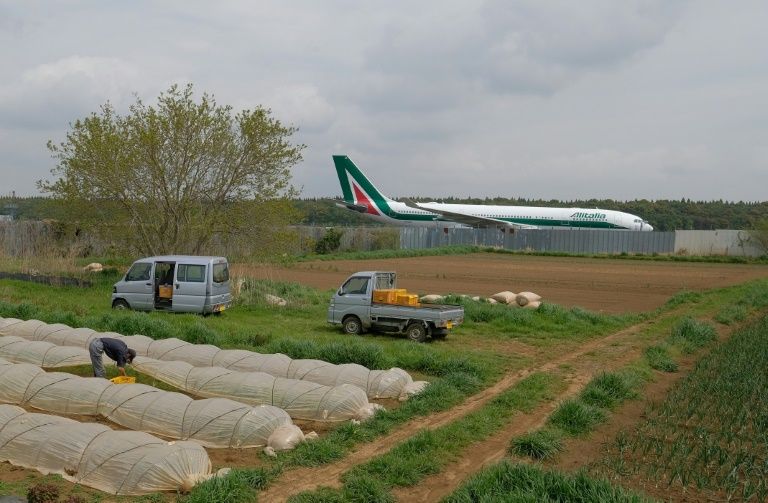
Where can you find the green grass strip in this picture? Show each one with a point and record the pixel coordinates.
(509, 482)
(429, 451)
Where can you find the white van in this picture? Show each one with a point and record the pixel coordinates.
(179, 283)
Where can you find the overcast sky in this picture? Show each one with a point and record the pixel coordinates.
(545, 99)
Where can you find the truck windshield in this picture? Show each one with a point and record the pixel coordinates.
(355, 285)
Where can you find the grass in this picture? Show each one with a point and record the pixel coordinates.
(690, 334)
(463, 250)
(461, 365)
(539, 445)
(609, 389)
(575, 417)
(509, 482)
(658, 358)
(429, 451)
(708, 437)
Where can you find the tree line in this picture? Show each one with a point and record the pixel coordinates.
(664, 215)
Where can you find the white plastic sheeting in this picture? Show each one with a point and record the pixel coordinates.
(300, 399)
(392, 383)
(213, 422)
(91, 454)
(41, 353)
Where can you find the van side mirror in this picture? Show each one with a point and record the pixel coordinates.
(340, 292)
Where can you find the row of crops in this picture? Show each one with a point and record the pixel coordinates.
(711, 432)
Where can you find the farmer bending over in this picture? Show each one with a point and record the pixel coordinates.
(115, 349)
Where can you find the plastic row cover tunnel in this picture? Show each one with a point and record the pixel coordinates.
(91, 454)
(392, 383)
(300, 399)
(214, 422)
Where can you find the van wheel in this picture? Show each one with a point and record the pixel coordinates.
(416, 332)
(352, 325)
(120, 305)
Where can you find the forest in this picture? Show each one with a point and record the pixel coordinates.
(664, 215)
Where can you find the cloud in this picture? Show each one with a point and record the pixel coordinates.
(302, 105)
(52, 94)
(517, 48)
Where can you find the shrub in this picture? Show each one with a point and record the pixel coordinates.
(43, 493)
(329, 243)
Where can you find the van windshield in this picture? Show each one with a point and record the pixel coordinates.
(220, 273)
(139, 272)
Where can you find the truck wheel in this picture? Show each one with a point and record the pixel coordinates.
(352, 325)
(416, 332)
(120, 305)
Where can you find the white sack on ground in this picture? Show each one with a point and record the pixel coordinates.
(505, 297)
(212, 422)
(117, 462)
(300, 399)
(524, 298)
(432, 299)
(391, 383)
(532, 305)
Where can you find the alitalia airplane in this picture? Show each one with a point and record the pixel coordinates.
(360, 195)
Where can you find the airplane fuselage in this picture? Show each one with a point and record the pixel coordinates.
(542, 217)
(362, 196)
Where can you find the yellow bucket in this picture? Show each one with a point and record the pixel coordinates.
(123, 380)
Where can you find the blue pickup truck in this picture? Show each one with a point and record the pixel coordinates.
(354, 308)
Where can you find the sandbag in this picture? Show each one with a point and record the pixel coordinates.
(532, 305)
(524, 298)
(505, 297)
(432, 299)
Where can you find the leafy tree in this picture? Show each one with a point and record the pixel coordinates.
(330, 242)
(760, 234)
(178, 177)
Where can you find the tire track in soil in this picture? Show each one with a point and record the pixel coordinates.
(302, 479)
(578, 452)
(494, 448)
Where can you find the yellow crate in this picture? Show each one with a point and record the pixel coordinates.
(384, 296)
(123, 380)
(408, 299)
(165, 291)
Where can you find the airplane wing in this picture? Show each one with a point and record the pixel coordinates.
(471, 220)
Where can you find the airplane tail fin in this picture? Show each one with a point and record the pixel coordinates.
(357, 189)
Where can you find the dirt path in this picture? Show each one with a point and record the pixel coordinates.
(602, 285)
(578, 452)
(307, 479)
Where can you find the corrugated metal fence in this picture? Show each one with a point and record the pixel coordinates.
(586, 241)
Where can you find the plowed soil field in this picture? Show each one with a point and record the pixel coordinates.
(602, 285)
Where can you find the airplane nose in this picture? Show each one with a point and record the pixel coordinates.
(648, 227)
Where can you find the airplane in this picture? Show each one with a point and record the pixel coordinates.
(362, 196)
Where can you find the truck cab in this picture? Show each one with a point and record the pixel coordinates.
(355, 307)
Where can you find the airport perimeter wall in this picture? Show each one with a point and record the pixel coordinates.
(588, 241)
